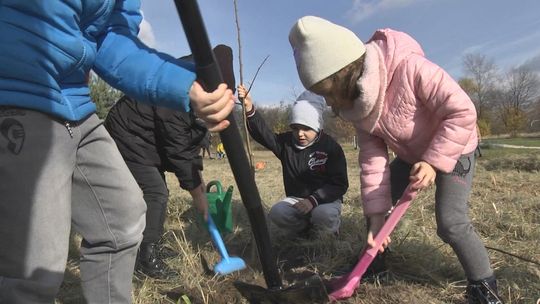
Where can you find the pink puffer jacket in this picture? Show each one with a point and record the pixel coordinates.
(411, 106)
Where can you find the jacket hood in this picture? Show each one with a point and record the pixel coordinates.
(395, 47)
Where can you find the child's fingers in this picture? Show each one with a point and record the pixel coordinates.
(414, 169)
(384, 244)
(218, 110)
(414, 174)
(202, 99)
(372, 244)
(418, 184)
(222, 125)
(422, 180)
(422, 175)
(302, 207)
(241, 91)
(370, 240)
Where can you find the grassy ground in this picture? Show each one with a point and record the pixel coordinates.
(531, 141)
(505, 207)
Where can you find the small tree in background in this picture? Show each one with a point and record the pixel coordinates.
(484, 127)
(514, 121)
(103, 95)
(482, 76)
(534, 116)
(277, 118)
(341, 130)
(521, 91)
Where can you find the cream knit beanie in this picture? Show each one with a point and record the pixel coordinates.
(307, 110)
(322, 48)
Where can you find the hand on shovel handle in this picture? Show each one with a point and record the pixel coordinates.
(209, 73)
(344, 287)
(376, 222)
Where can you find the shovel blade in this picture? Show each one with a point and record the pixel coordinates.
(310, 291)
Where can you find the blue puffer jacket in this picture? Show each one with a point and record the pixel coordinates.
(47, 49)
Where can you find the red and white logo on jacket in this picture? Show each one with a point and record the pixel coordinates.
(317, 161)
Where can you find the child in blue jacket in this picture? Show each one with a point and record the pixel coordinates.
(59, 168)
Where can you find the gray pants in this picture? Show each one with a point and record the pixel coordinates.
(324, 217)
(51, 180)
(451, 212)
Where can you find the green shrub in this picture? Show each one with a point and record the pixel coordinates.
(484, 127)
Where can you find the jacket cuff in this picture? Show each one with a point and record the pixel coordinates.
(313, 201)
(251, 112)
(190, 185)
(444, 163)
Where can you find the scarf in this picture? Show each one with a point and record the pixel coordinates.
(367, 108)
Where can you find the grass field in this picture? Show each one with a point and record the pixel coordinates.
(518, 141)
(504, 205)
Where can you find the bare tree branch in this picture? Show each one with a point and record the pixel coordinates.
(248, 144)
(256, 73)
(484, 76)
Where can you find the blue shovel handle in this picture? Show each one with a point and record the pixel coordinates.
(216, 237)
(227, 264)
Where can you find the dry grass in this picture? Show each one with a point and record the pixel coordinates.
(505, 206)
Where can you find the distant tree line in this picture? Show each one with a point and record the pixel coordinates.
(277, 118)
(506, 101)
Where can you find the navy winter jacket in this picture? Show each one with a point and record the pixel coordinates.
(318, 172)
(158, 137)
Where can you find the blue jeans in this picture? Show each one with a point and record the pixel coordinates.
(54, 177)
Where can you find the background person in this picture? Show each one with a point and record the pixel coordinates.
(313, 166)
(60, 167)
(220, 151)
(205, 145)
(152, 141)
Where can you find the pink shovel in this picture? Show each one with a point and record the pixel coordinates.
(344, 286)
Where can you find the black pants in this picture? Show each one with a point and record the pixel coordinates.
(154, 187)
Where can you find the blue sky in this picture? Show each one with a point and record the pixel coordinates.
(507, 32)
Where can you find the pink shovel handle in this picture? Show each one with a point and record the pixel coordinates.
(395, 215)
(346, 285)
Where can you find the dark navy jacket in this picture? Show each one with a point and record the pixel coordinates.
(318, 172)
(155, 136)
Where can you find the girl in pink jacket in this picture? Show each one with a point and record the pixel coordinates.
(399, 100)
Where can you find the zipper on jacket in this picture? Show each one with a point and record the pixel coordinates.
(69, 129)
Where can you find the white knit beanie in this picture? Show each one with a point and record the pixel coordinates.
(307, 110)
(322, 48)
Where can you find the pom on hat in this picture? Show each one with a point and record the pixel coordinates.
(307, 110)
(322, 48)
